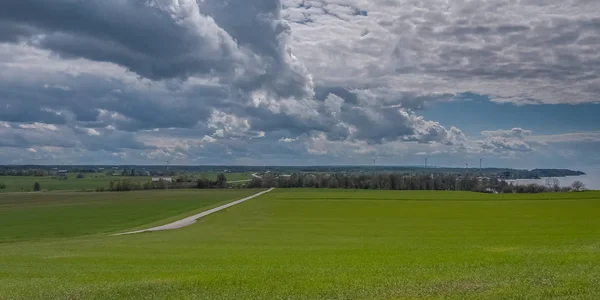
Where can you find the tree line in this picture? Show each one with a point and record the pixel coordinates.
(180, 183)
(432, 182)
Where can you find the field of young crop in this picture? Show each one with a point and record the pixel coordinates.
(51, 183)
(303, 244)
(31, 216)
(89, 182)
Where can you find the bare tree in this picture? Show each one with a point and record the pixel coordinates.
(578, 186)
(556, 184)
(553, 184)
(549, 182)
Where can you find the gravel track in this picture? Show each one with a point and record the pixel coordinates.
(192, 219)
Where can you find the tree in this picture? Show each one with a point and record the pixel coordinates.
(221, 180)
(80, 176)
(506, 189)
(268, 180)
(36, 187)
(255, 182)
(549, 182)
(578, 186)
(334, 183)
(556, 184)
(309, 181)
(202, 183)
(2, 186)
(553, 184)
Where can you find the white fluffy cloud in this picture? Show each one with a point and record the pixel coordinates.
(506, 140)
(514, 51)
(519, 133)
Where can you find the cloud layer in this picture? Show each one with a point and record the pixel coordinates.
(293, 81)
(513, 51)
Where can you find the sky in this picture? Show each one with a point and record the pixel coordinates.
(301, 82)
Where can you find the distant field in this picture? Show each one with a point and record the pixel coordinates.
(230, 176)
(90, 182)
(321, 244)
(50, 183)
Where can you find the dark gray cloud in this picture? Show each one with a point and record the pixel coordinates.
(259, 28)
(13, 32)
(92, 101)
(155, 39)
(244, 48)
(16, 111)
(25, 138)
(27, 135)
(241, 44)
(112, 141)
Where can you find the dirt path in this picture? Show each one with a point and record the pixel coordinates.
(192, 219)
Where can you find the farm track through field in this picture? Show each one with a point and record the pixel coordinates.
(192, 219)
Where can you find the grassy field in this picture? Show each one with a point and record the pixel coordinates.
(89, 182)
(50, 183)
(321, 244)
(230, 176)
(54, 215)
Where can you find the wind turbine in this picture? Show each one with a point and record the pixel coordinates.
(168, 174)
(374, 161)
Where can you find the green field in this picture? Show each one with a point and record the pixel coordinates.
(53, 215)
(230, 176)
(307, 244)
(90, 181)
